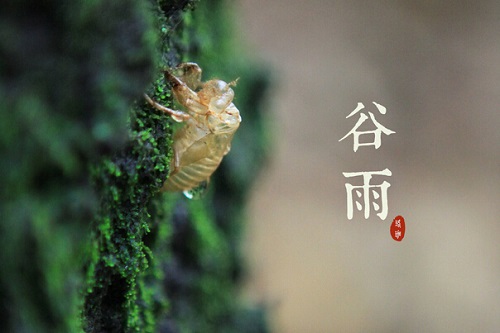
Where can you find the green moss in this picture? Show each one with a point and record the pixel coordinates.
(125, 293)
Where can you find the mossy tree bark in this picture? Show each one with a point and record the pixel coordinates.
(87, 241)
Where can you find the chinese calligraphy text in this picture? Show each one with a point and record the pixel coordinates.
(367, 196)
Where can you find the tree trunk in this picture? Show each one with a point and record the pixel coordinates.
(87, 240)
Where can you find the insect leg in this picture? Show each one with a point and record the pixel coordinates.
(183, 94)
(178, 116)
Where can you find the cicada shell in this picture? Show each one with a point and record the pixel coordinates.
(210, 118)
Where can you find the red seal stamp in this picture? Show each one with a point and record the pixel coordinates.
(398, 228)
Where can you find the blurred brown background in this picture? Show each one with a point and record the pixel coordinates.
(435, 66)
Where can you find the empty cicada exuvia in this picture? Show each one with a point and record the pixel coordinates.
(211, 119)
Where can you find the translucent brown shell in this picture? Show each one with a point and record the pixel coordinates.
(210, 118)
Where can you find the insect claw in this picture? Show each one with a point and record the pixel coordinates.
(178, 116)
(149, 100)
(173, 79)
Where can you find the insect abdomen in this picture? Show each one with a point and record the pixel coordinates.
(191, 175)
